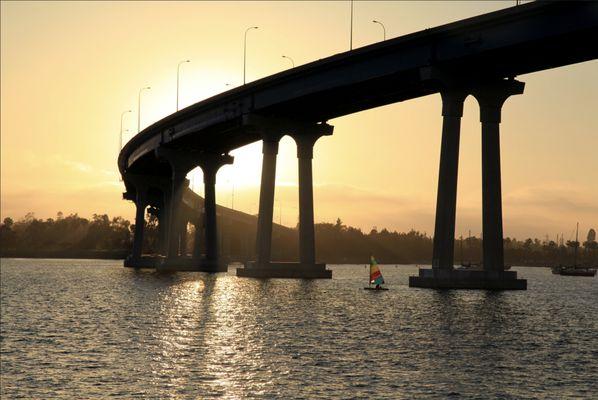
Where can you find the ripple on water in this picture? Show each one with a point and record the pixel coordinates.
(85, 329)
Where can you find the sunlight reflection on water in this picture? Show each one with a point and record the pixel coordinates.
(84, 329)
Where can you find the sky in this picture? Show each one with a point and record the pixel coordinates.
(69, 69)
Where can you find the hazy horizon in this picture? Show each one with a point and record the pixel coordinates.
(70, 69)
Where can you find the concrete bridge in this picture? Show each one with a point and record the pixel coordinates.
(479, 56)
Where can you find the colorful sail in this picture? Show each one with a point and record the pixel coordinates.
(375, 274)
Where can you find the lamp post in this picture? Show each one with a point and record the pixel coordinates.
(290, 59)
(178, 73)
(139, 107)
(245, 51)
(383, 27)
(232, 201)
(122, 116)
(351, 33)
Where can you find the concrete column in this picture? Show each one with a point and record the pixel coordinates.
(176, 199)
(210, 164)
(306, 139)
(181, 162)
(446, 202)
(266, 207)
(209, 178)
(307, 240)
(141, 204)
(183, 238)
(199, 236)
(163, 226)
(491, 97)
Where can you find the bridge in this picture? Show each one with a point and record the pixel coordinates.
(479, 56)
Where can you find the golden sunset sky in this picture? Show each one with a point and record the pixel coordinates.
(70, 68)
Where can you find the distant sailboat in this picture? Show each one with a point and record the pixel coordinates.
(574, 270)
(468, 265)
(376, 277)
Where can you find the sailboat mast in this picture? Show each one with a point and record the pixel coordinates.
(461, 249)
(468, 243)
(576, 245)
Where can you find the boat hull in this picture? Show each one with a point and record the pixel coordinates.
(575, 271)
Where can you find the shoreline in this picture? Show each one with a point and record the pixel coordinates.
(115, 255)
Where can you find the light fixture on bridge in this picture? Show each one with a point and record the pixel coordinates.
(122, 116)
(178, 73)
(139, 107)
(245, 51)
(382, 25)
(290, 59)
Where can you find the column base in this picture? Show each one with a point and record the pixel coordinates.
(143, 262)
(163, 264)
(286, 270)
(457, 279)
(192, 264)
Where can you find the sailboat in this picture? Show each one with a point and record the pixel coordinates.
(574, 270)
(375, 276)
(468, 265)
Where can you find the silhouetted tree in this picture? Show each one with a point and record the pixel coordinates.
(335, 242)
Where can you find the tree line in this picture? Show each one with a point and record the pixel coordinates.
(74, 236)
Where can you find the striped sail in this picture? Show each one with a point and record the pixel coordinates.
(375, 274)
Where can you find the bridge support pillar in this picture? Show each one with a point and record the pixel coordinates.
(199, 236)
(305, 135)
(141, 205)
(491, 98)
(305, 144)
(174, 211)
(210, 164)
(183, 238)
(181, 162)
(446, 203)
(146, 194)
(266, 206)
(493, 276)
(163, 225)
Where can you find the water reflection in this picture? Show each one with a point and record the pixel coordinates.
(84, 331)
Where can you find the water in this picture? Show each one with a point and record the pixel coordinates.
(92, 329)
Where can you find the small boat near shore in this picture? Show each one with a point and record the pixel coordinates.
(477, 267)
(574, 270)
(469, 265)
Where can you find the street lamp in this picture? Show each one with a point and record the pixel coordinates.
(383, 27)
(245, 51)
(232, 201)
(139, 107)
(122, 116)
(178, 72)
(290, 59)
(351, 33)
